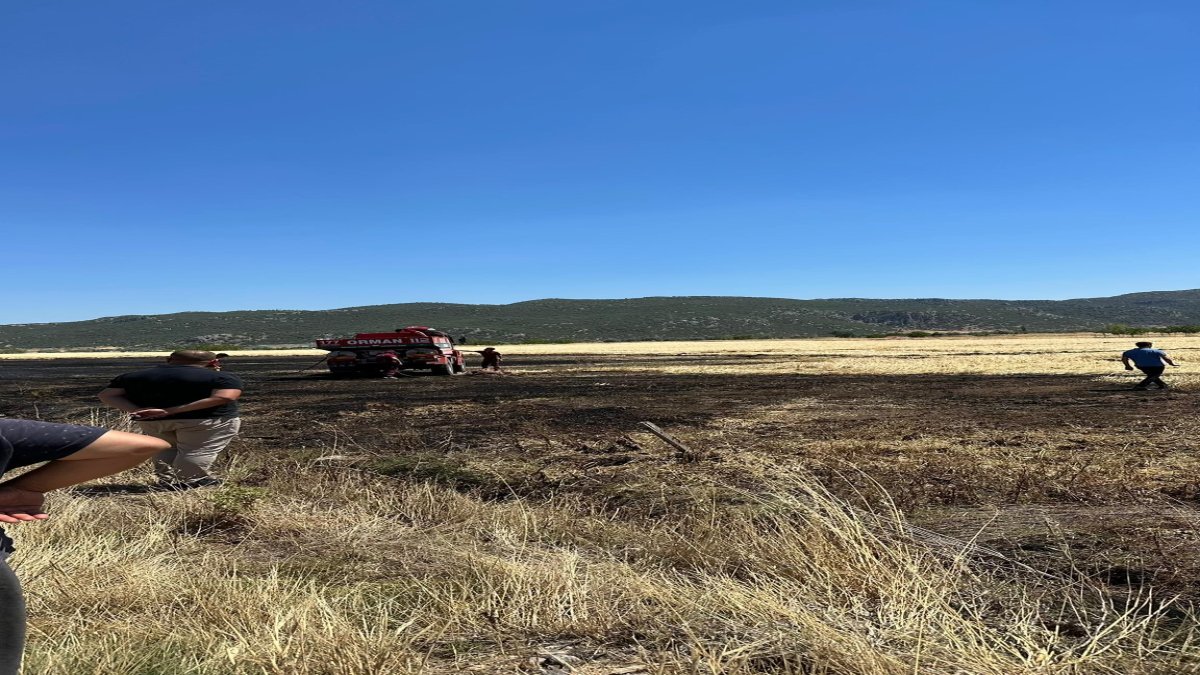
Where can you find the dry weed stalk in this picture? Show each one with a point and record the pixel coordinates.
(329, 571)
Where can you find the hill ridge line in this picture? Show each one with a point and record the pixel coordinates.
(619, 319)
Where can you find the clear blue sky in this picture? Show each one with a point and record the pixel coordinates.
(162, 156)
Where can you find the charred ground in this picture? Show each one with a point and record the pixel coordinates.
(1067, 473)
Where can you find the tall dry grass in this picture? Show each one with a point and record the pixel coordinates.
(338, 571)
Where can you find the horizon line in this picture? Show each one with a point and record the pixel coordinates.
(647, 297)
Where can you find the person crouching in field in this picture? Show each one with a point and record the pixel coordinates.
(491, 359)
(1149, 361)
(389, 365)
(188, 403)
(73, 454)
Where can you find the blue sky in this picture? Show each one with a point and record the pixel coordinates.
(170, 156)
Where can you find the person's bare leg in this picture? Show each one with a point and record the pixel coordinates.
(21, 498)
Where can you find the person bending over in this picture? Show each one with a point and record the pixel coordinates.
(389, 365)
(491, 359)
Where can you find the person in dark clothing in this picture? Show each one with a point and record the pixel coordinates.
(1150, 361)
(389, 365)
(187, 403)
(491, 359)
(73, 454)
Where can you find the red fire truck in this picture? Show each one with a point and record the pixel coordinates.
(417, 348)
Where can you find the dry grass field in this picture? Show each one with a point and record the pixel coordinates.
(955, 505)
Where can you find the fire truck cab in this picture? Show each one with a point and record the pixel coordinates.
(416, 347)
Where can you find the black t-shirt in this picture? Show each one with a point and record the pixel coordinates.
(171, 385)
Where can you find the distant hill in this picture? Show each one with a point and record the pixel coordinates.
(663, 318)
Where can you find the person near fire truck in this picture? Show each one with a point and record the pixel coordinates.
(491, 359)
(389, 365)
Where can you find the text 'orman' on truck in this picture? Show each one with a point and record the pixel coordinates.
(382, 354)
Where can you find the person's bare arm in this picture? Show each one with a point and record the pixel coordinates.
(21, 498)
(218, 397)
(1169, 361)
(115, 398)
(1125, 360)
